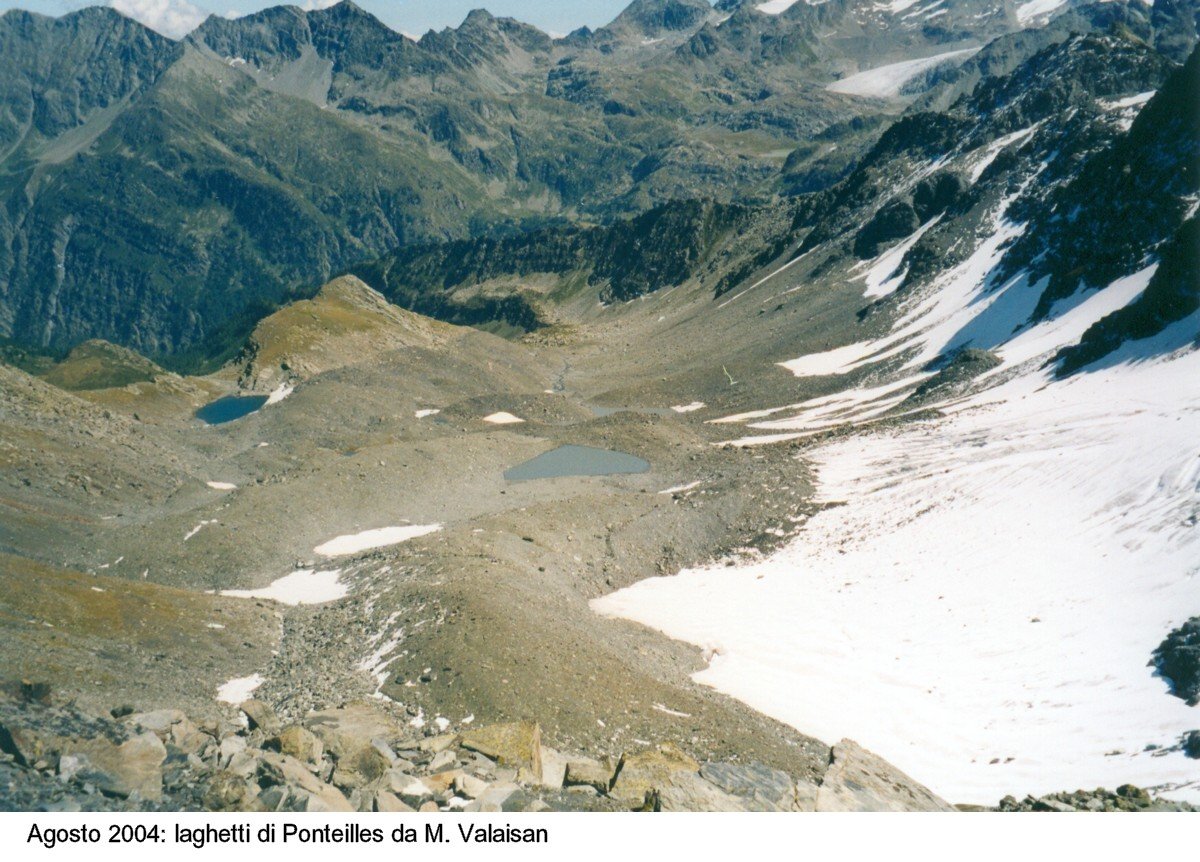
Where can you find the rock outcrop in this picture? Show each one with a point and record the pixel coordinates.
(363, 757)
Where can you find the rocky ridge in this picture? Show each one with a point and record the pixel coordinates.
(363, 756)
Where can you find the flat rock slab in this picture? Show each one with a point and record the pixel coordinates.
(134, 767)
(517, 745)
(351, 727)
(650, 771)
(759, 787)
(858, 780)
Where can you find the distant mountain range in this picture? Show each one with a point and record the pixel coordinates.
(167, 195)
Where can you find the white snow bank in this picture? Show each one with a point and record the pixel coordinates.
(368, 539)
(689, 408)
(836, 361)
(775, 7)
(679, 489)
(503, 418)
(887, 81)
(981, 609)
(221, 486)
(1135, 101)
(1034, 10)
(239, 690)
(421, 414)
(990, 151)
(283, 390)
(884, 276)
(301, 587)
(196, 529)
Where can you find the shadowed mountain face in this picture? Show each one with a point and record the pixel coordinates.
(164, 196)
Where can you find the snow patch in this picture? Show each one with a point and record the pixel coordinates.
(887, 81)
(679, 489)
(221, 486)
(982, 608)
(301, 587)
(283, 390)
(992, 150)
(240, 690)
(836, 361)
(421, 414)
(196, 529)
(775, 7)
(884, 275)
(502, 418)
(355, 542)
(689, 408)
(1037, 11)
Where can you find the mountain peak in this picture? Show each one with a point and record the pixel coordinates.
(654, 17)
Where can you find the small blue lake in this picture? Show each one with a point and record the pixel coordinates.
(576, 461)
(229, 408)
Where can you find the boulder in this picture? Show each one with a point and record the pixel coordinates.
(243, 763)
(554, 768)
(858, 780)
(493, 799)
(282, 770)
(646, 772)
(158, 722)
(438, 744)
(687, 791)
(759, 787)
(585, 772)
(347, 729)
(412, 791)
(228, 792)
(517, 745)
(442, 783)
(188, 738)
(298, 742)
(261, 716)
(22, 743)
(470, 786)
(229, 746)
(365, 766)
(443, 760)
(389, 803)
(133, 767)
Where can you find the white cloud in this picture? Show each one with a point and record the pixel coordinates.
(174, 18)
(314, 5)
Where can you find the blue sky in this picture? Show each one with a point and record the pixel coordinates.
(175, 17)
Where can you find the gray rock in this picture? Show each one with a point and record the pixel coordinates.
(588, 773)
(134, 767)
(858, 780)
(351, 727)
(389, 803)
(494, 797)
(159, 722)
(229, 746)
(361, 768)
(760, 787)
(412, 791)
(687, 791)
(554, 768)
(243, 763)
(262, 717)
(470, 786)
(298, 742)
